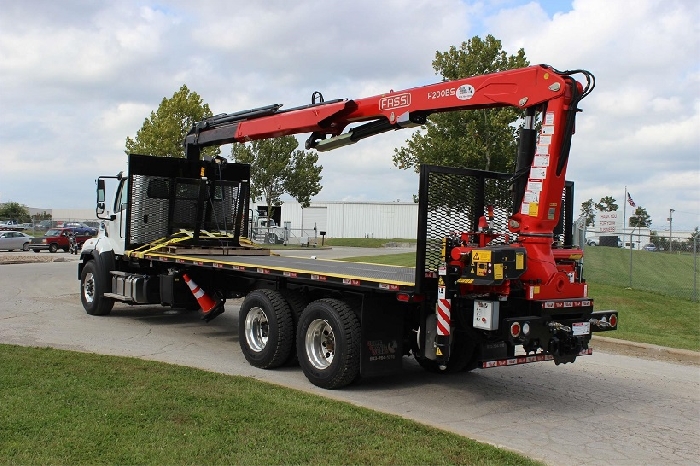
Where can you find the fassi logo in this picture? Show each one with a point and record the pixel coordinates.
(395, 101)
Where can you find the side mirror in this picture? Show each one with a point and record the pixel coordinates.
(100, 197)
(100, 191)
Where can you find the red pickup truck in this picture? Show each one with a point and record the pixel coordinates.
(58, 238)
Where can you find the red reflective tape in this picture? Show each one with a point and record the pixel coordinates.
(443, 317)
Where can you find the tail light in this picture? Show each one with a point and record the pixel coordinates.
(613, 320)
(515, 329)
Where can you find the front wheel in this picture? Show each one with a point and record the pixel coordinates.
(265, 329)
(92, 291)
(53, 247)
(328, 343)
(25, 247)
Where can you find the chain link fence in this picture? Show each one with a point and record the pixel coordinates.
(662, 265)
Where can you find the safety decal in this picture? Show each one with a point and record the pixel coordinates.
(538, 173)
(498, 271)
(549, 118)
(533, 209)
(547, 130)
(542, 149)
(541, 160)
(481, 255)
(525, 208)
(531, 196)
(546, 140)
(534, 186)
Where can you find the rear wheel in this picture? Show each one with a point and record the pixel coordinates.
(328, 343)
(265, 329)
(92, 291)
(297, 303)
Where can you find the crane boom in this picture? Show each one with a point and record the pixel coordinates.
(539, 178)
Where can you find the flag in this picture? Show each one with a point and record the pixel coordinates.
(629, 199)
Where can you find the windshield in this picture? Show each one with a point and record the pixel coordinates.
(53, 233)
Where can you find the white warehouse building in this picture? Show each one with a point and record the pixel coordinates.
(351, 219)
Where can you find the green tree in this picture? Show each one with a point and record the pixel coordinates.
(607, 204)
(163, 133)
(277, 167)
(484, 139)
(14, 211)
(588, 212)
(640, 218)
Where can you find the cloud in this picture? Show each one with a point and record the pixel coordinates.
(78, 77)
(640, 126)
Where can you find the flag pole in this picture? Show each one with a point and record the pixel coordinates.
(624, 216)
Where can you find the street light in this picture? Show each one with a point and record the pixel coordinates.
(670, 229)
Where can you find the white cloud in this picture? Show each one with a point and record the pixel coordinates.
(78, 77)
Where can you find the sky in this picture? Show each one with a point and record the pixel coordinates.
(77, 77)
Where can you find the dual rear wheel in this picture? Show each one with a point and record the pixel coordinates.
(327, 337)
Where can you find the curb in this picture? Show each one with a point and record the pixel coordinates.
(645, 350)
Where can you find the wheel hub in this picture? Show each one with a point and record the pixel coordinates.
(320, 344)
(89, 288)
(256, 329)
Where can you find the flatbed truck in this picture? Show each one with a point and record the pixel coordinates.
(496, 282)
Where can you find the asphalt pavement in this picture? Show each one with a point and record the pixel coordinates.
(605, 409)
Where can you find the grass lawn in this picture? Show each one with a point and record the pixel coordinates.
(62, 407)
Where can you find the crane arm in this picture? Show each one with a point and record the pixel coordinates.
(521, 88)
(541, 162)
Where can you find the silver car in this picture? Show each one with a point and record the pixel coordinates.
(11, 240)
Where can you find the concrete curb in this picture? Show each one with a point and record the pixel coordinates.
(644, 350)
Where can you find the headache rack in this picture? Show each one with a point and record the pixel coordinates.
(170, 195)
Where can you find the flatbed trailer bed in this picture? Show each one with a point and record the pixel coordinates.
(341, 273)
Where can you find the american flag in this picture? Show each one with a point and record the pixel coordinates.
(629, 199)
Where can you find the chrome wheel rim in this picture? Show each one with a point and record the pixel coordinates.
(320, 344)
(257, 329)
(89, 288)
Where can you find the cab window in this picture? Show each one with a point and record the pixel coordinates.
(121, 200)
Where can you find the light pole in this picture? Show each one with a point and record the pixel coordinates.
(670, 229)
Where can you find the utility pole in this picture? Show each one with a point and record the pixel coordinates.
(670, 229)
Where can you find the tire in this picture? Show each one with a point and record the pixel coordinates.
(53, 247)
(35, 250)
(25, 247)
(92, 291)
(328, 343)
(297, 303)
(265, 329)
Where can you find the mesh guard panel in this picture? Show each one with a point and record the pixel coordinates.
(452, 200)
(167, 195)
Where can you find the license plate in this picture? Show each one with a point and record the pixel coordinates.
(581, 328)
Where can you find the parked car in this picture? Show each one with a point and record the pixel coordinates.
(11, 240)
(58, 238)
(11, 225)
(650, 247)
(81, 228)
